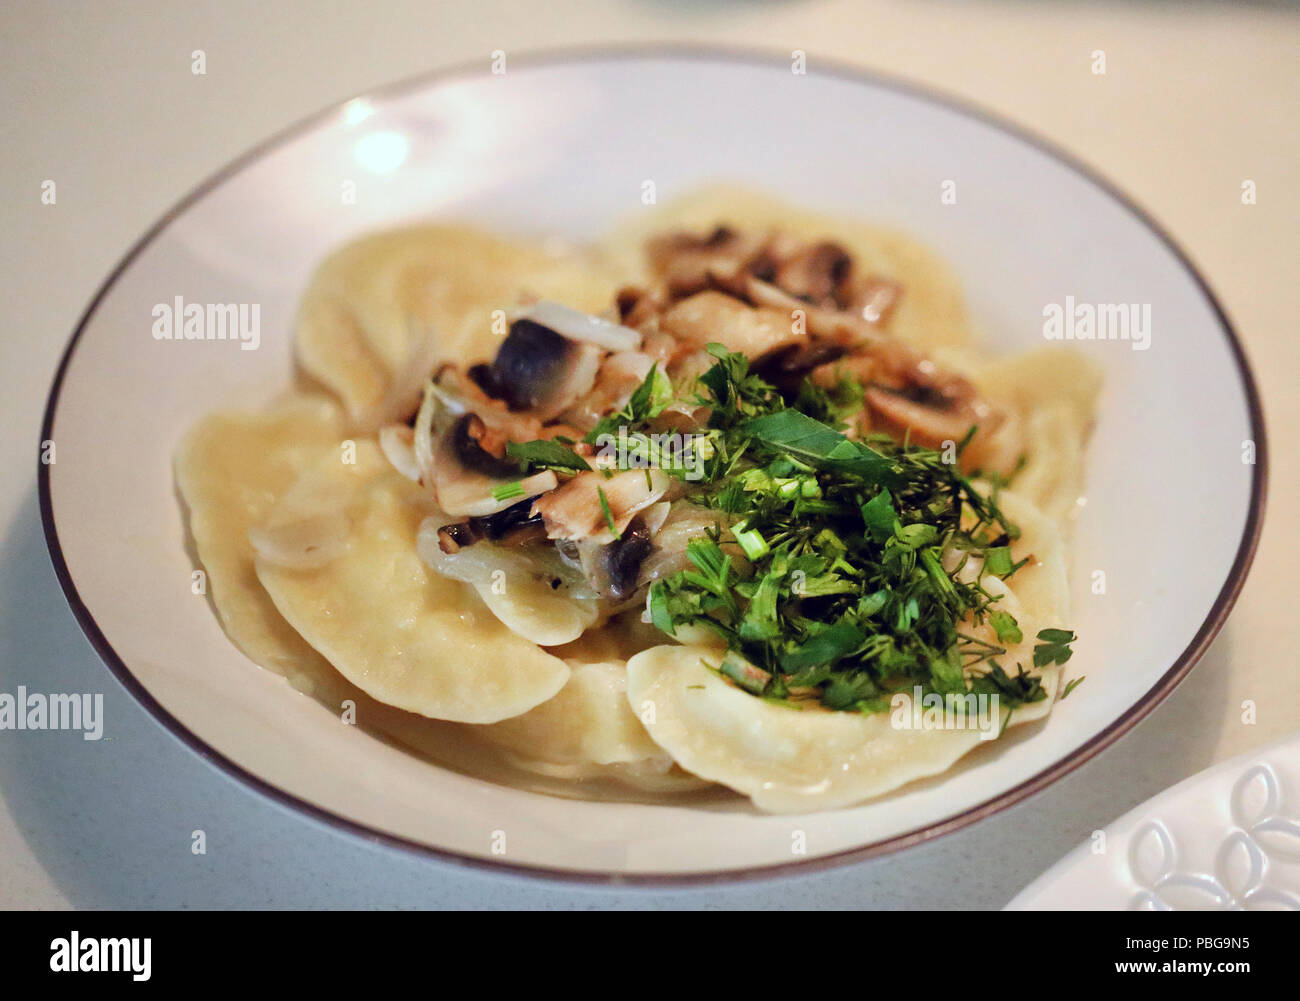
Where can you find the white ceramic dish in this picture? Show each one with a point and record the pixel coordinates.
(1228, 838)
(563, 145)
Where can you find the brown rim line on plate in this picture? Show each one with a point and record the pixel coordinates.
(1157, 693)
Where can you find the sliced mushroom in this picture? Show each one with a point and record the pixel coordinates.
(926, 421)
(539, 370)
(815, 274)
(514, 526)
(912, 395)
(637, 306)
(684, 261)
(828, 324)
(714, 317)
(575, 510)
(619, 562)
(686, 521)
(619, 376)
(787, 368)
(459, 392)
(583, 327)
(479, 450)
(872, 299)
(455, 472)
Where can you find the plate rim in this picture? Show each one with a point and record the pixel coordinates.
(744, 55)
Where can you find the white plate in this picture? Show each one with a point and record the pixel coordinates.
(562, 145)
(1228, 838)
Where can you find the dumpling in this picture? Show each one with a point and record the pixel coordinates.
(399, 632)
(231, 469)
(589, 722)
(790, 760)
(1055, 390)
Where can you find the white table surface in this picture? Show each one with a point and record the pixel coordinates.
(100, 98)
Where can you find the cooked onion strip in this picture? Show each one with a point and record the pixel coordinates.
(579, 326)
(398, 444)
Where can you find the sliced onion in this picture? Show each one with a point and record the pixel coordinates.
(655, 516)
(469, 495)
(579, 326)
(685, 522)
(422, 437)
(575, 510)
(397, 441)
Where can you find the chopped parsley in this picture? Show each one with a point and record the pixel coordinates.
(839, 578)
(1053, 647)
(604, 509)
(552, 453)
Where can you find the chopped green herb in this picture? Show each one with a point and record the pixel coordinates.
(997, 561)
(1005, 625)
(604, 508)
(547, 454)
(753, 543)
(1054, 648)
(852, 587)
(508, 491)
(742, 672)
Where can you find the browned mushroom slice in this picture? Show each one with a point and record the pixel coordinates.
(638, 306)
(711, 316)
(815, 274)
(464, 489)
(616, 566)
(786, 368)
(827, 324)
(619, 376)
(467, 478)
(464, 388)
(924, 422)
(933, 407)
(871, 298)
(480, 449)
(577, 510)
(515, 526)
(683, 261)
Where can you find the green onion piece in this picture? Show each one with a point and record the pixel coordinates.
(1005, 625)
(751, 541)
(508, 491)
(659, 612)
(997, 561)
(879, 516)
(743, 673)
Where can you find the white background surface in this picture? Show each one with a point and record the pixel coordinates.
(1195, 100)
